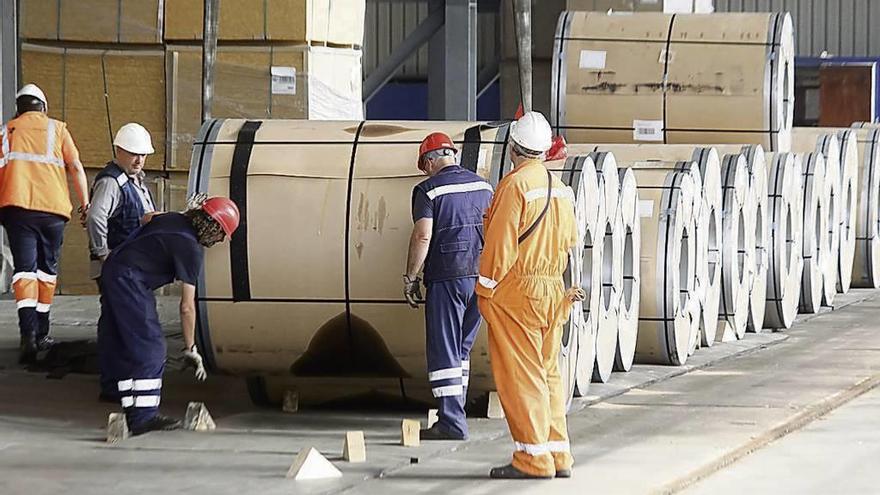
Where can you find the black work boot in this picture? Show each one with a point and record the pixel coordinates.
(27, 350)
(437, 433)
(509, 472)
(45, 343)
(158, 422)
(563, 473)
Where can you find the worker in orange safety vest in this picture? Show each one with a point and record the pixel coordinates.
(529, 228)
(36, 152)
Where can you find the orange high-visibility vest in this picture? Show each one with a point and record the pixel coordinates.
(33, 152)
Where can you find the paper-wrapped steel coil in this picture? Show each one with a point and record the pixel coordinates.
(785, 209)
(815, 232)
(674, 78)
(313, 294)
(668, 306)
(612, 267)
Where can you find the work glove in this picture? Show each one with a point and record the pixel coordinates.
(412, 290)
(192, 358)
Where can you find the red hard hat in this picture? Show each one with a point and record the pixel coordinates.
(558, 150)
(435, 141)
(223, 211)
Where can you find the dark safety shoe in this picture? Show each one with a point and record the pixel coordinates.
(509, 472)
(27, 350)
(45, 343)
(158, 422)
(436, 433)
(563, 473)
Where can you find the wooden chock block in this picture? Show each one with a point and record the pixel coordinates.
(198, 418)
(409, 433)
(291, 401)
(432, 417)
(354, 450)
(117, 428)
(494, 410)
(311, 465)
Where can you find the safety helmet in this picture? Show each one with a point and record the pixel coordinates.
(558, 150)
(224, 212)
(34, 91)
(134, 139)
(532, 132)
(433, 142)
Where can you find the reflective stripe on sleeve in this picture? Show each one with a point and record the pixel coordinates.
(487, 282)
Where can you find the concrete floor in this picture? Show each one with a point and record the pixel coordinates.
(728, 422)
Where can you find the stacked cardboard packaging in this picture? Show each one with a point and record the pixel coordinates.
(103, 63)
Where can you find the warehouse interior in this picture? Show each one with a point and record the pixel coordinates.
(721, 160)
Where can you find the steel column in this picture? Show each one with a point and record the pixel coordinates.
(452, 60)
(209, 53)
(8, 57)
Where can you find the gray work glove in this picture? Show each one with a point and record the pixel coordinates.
(192, 358)
(412, 290)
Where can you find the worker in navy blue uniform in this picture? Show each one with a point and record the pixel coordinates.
(446, 240)
(121, 201)
(131, 343)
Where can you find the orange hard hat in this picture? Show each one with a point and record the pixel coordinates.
(436, 141)
(224, 212)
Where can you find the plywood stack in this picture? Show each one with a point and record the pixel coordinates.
(103, 63)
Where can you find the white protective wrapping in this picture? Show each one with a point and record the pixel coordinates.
(628, 314)
(849, 197)
(759, 235)
(866, 267)
(815, 232)
(786, 205)
(733, 312)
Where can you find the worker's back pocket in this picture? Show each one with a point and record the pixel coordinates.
(454, 247)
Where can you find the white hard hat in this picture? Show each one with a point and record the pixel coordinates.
(134, 139)
(35, 91)
(532, 132)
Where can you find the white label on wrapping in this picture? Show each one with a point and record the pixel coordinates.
(678, 7)
(283, 80)
(591, 59)
(666, 57)
(646, 208)
(648, 130)
(649, 2)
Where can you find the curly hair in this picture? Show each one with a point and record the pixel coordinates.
(208, 231)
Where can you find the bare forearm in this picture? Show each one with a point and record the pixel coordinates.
(418, 252)
(188, 326)
(80, 182)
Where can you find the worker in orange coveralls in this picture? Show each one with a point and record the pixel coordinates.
(529, 228)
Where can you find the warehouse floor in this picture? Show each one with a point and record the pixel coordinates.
(655, 429)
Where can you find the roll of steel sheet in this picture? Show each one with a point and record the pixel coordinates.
(735, 254)
(579, 172)
(327, 275)
(866, 268)
(628, 315)
(721, 78)
(815, 239)
(668, 307)
(612, 267)
(829, 145)
(759, 237)
(708, 219)
(785, 208)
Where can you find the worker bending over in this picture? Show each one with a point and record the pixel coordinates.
(529, 229)
(120, 201)
(36, 152)
(131, 345)
(447, 239)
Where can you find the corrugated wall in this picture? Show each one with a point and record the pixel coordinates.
(388, 22)
(840, 27)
